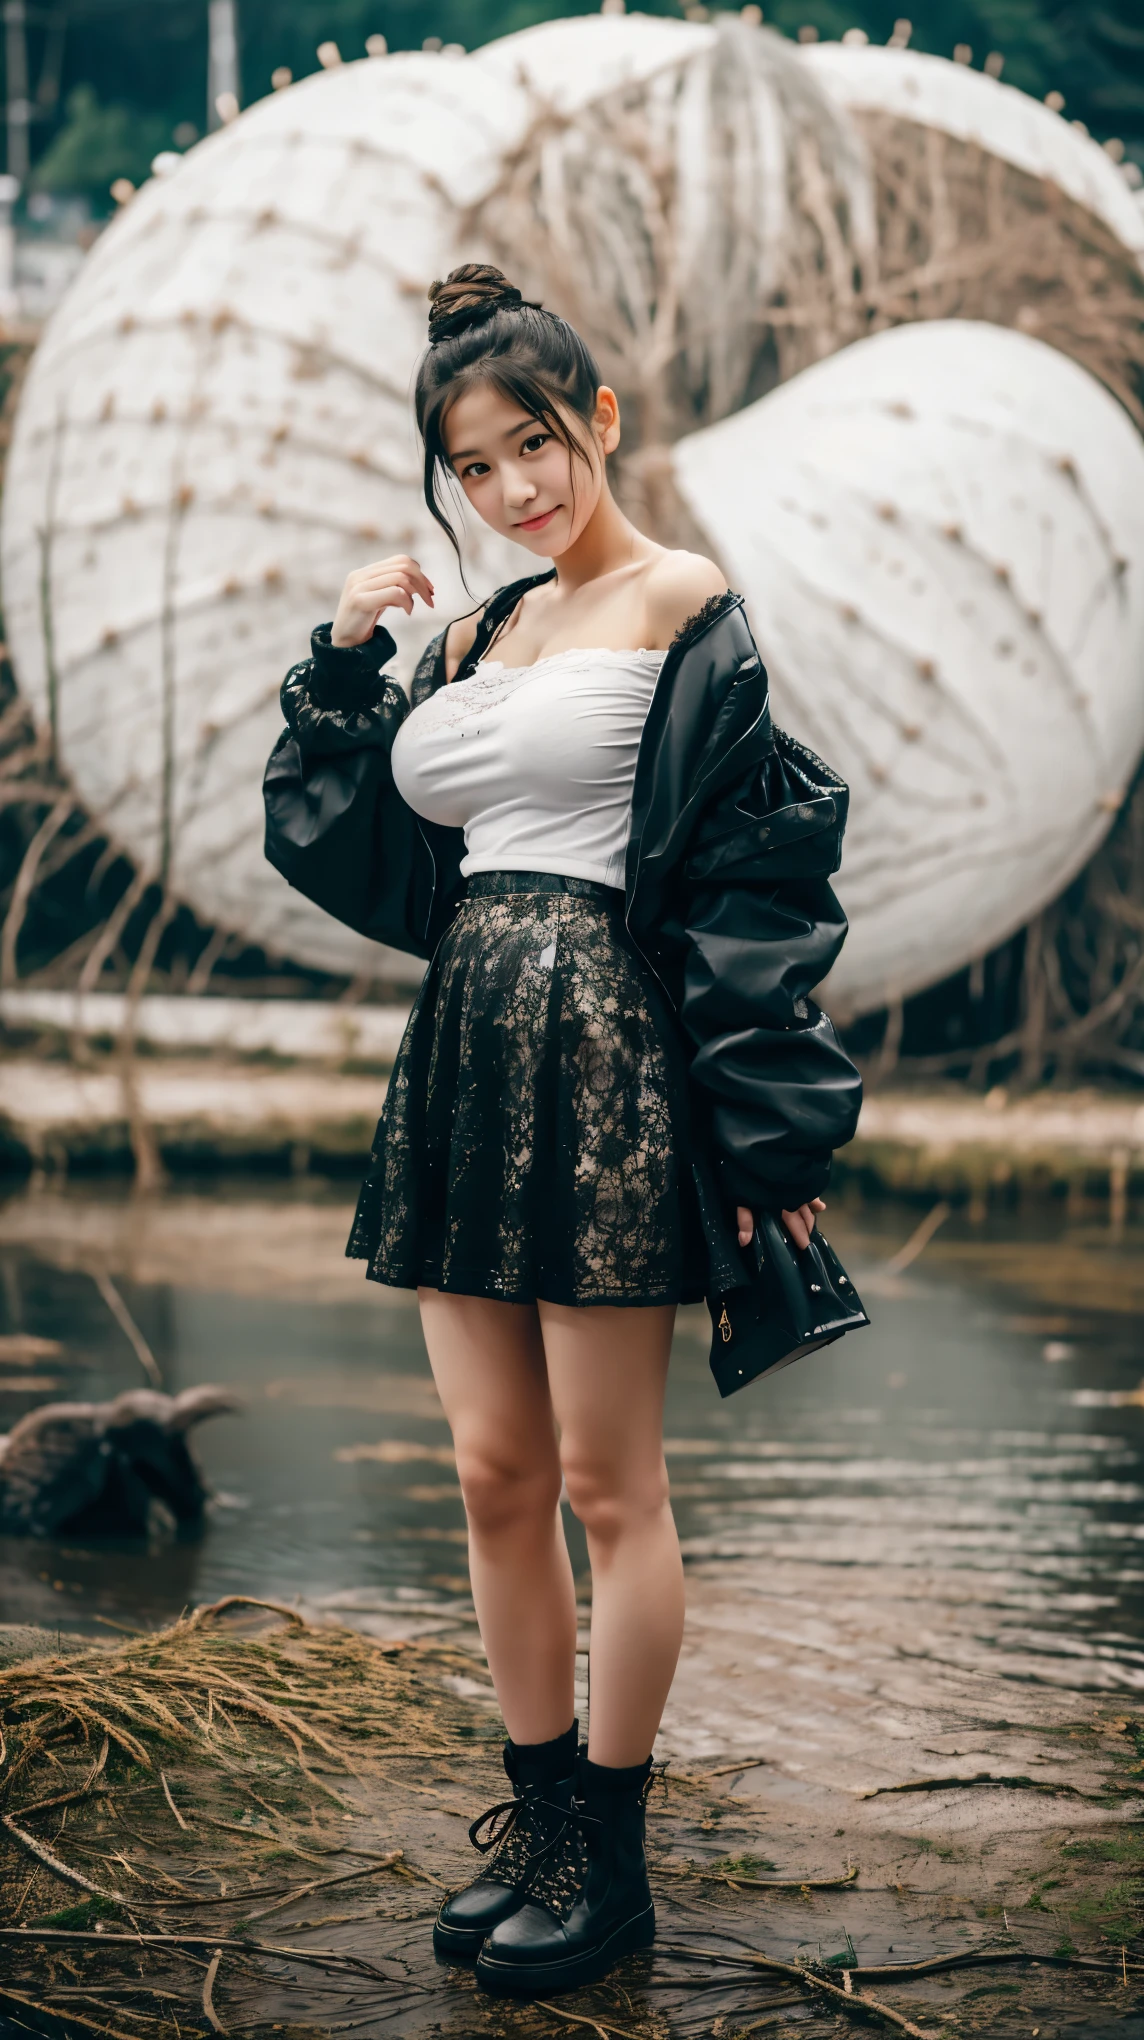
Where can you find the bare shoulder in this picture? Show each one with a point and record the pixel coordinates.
(678, 584)
(459, 640)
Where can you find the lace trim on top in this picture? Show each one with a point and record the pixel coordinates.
(584, 657)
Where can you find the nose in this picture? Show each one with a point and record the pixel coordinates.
(519, 488)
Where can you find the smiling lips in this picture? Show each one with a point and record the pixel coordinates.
(538, 523)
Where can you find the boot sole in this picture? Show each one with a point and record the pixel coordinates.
(458, 1944)
(521, 1979)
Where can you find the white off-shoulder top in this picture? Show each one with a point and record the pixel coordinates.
(535, 763)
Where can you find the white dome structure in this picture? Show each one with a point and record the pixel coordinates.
(216, 427)
(991, 206)
(562, 65)
(972, 107)
(940, 534)
(708, 226)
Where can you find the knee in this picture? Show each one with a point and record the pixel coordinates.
(502, 1489)
(613, 1501)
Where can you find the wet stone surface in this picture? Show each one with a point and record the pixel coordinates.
(916, 1625)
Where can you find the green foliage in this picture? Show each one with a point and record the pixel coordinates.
(135, 69)
(846, 1958)
(1036, 1899)
(1116, 1910)
(81, 1918)
(97, 144)
(1124, 1846)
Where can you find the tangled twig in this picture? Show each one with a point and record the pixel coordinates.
(808, 1980)
(209, 2012)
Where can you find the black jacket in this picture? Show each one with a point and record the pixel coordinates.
(735, 831)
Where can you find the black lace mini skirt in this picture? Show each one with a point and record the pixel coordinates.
(534, 1143)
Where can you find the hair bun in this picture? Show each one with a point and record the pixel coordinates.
(469, 296)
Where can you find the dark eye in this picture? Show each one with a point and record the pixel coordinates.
(535, 441)
(474, 470)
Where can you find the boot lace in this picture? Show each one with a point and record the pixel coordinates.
(551, 1855)
(518, 1834)
(537, 1845)
(559, 1872)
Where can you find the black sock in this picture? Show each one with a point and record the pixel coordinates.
(609, 1778)
(535, 1763)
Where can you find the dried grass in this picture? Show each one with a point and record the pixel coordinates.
(963, 235)
(119, 1767)
(706, 230)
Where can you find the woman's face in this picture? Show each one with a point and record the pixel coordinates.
(519, 477)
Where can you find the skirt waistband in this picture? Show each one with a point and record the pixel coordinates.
(483, 882)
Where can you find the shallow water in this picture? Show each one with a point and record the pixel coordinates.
(977, 1454)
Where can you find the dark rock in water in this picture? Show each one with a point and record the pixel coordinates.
(97, 1469)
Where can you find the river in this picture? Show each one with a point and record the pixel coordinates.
(973, 1462)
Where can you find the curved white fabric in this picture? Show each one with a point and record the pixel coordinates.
(940, 534)
(536, 763)
(567, 62)
(216, 427)
(976, 108)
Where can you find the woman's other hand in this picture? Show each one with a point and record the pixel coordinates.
(799, 1224)
(386, 584)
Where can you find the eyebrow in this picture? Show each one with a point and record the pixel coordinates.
(470, 452)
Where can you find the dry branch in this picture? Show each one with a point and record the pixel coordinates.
(699, 270)
(1017, 1781)
(810, 1981)
(318, 1958)
(56, 1866)
(744, 1883)
(919, 1239)
(78, 1792)
(209, 2012)
(129, 1328)
(26, 2004)
(174, 1809)
(323, 1883)
(50, 827)
(213, 1608)
(579, 2019)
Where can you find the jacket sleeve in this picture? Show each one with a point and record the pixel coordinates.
(336, 827)
(763, 927)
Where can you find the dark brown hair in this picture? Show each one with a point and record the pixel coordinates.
(481, 330)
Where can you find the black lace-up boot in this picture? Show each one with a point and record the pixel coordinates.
(514, 1833)
(587, 1901)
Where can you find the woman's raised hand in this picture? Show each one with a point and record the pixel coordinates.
(386, 584)
(799, 1224)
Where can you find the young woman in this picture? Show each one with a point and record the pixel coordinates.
(585, 822)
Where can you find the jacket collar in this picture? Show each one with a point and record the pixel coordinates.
(709, 720)
(494, 616)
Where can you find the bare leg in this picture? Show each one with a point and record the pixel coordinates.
(489, 1365)
(607, 1370)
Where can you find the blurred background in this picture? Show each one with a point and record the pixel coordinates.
(871, 290)
(106, 99)
(97, 88)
